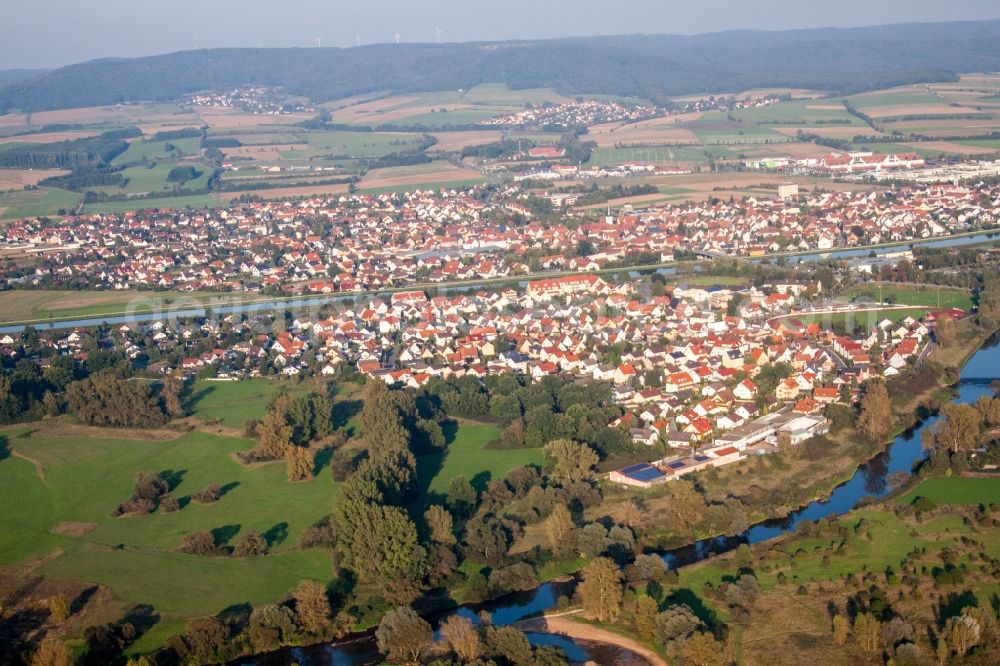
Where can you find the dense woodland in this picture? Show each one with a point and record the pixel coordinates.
(650, 66)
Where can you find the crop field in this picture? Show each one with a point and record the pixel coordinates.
(418, 176)
(16, 179)
(153, 178)
(31, 203)
(357, 144)
(806, 112)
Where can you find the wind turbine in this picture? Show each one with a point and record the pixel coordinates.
(438, 31)
(357, 39)
(397, 36)
(319, 42)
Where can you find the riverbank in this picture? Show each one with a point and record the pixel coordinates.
(565, 624)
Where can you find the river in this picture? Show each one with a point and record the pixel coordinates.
(871, 480)
(266, 306)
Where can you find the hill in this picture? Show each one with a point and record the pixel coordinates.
(651, 66)
(9, 76)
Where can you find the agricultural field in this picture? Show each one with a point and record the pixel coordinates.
(805, 113)
(420, 176)
(32, 203)
(17, 179)
(232, 403)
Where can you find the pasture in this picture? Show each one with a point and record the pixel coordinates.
(956, 490)
(33, 203)
(60, 485)
(188, 201)
(139, 150)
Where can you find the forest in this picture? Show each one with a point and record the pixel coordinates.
(648, 66)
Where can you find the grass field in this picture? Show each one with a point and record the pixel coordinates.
(191, 201)
(232, 403)
(906, 295)
(157, 150)
(32, 203)
(805, 112)
(956, 490)
(467, 456)
(357, 144)
(65, 478)
(867, 318)
(24, 305)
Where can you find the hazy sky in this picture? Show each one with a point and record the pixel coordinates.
(49, 33)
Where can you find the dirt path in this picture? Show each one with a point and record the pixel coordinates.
(38, 466)
(563, 623)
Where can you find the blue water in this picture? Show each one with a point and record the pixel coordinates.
(871, 480)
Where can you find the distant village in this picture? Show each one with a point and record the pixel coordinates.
(259, 100)
(584, 113)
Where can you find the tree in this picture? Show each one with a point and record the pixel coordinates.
(299, 463)
(52, 652)
(601, 590)
(274, 434)
(841, 629)
(380, 419)
(461, 496)
(558, 528)
(312, 606)
(172, 403)
(104, 399)
(675, 622)
(251, 544)
(439, 522)
(402, 635)
(462, 638)
(271, 625)
(867, 632)
(644, 620)
(487, 538)
(569, 461)
(385, 546)
(703, 650)
(205, 637)
(876, 412)
(199, 543)
(59, 608)
(963, 631)
(959, 429)
(944, 331)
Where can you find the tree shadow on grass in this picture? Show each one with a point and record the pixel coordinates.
(276, 534)
(428, 467)
(193, 397)
(344, 411)
(952, 605)
(226, 488)
(693, 601)
(173, 477)
(237, 615)
(4, 448)
(450, 429)
(224, 534)
(322, 459)
(81, 599)
(143, 617)
(481, 480)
